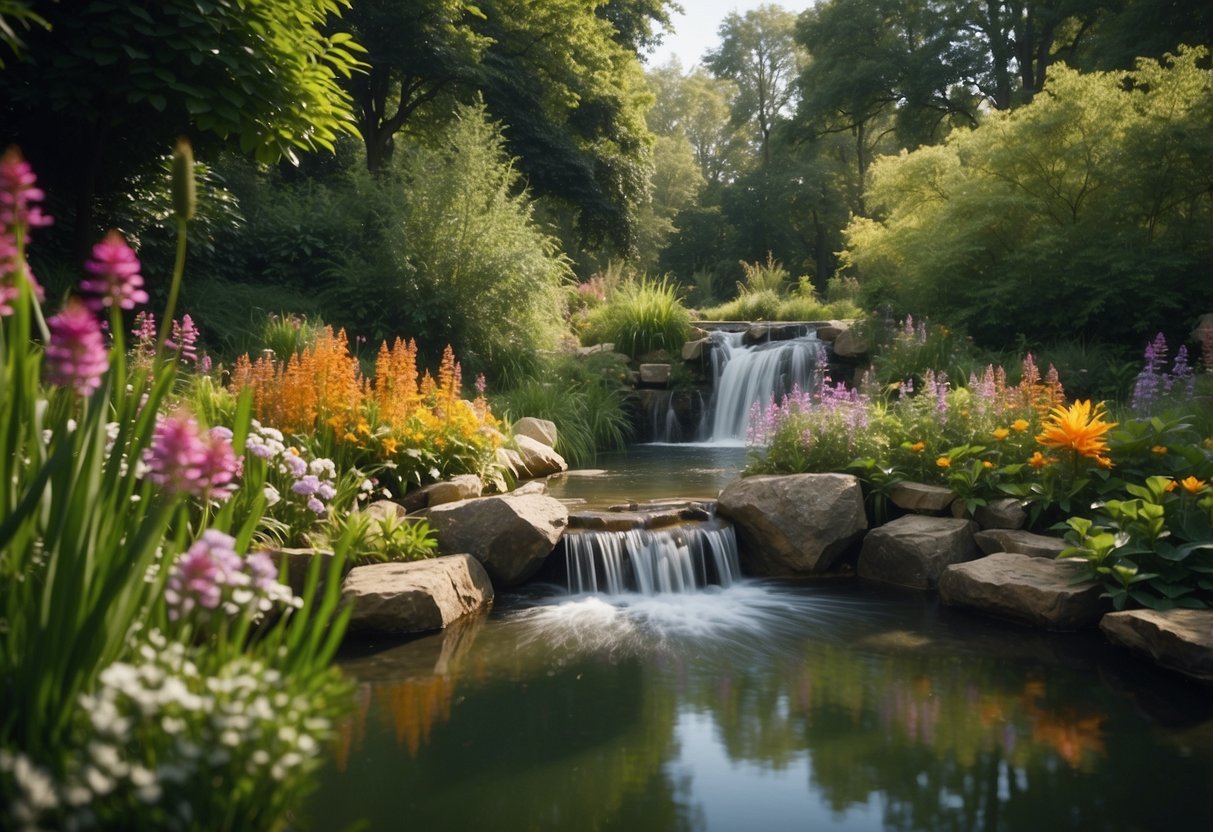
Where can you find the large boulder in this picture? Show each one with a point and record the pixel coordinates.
(655, 374)
(511, 535)
(299, 562)
(914, 550)
(1007, 513)
(416, 597)
(1034, 591)
(797, 524)
(921, 498)
(531, 458)
(851, 343)
(541, 430)
(458, 487)
(1020, 542)
(1180, 640)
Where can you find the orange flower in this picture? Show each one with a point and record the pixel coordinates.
(985, 463)
(1039, 460)
(1159, 449)
(943, 462)
(389, 446)
(1171, 486)
(1001, 434)
(1193, 485)
(1020, 425)
(918, 447)
(1079, 428)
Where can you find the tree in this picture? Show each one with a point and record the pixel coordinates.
(676, 183)
(698, 107)
(111, 83)
(1085, 213)
(758, 52)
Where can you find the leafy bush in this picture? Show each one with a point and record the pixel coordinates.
(641, 316)
(768, 306)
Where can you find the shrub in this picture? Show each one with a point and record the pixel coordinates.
(641, 316)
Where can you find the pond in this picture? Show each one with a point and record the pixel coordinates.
(834, 705)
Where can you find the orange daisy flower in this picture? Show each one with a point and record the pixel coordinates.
(1079, 428)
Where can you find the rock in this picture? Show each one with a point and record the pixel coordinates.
(830, 330)
(531, 458)
(914, 550)
(298, 561)
(1031, 590)
(418, 596)
(459, 487)
(541, 430)
(385, 510)
(1008, 513)
(606, 521)
(510, 535)
(851, 344)
(694, 350)
(1019, 541)
(699, 334)
(532, 487)
(1203, 330)
(756, 334)
(788, 525)
(921, 498)
(1179, 640)
(596, 349)
(655, 374)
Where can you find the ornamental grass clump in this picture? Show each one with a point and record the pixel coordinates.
(639, 317)
(138, 667)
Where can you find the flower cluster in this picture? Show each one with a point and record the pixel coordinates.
(183, 459)
(211, 576)
(1154, 382)
(19, 212)
(298, 490)
(76, 355)
(115, 280)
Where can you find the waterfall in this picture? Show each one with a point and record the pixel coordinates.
(743, 375)
(651, 561)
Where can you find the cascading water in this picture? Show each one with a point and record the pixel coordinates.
(743, 375)
(679, 559)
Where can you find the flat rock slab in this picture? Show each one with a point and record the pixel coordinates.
(914, 550)
(416, 597)
(1027, 589)
(922, 498)
(797, 524)
(1180, 640)
(1020, 542)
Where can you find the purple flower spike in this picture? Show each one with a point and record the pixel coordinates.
(182, 460)
(184, 338)
(76, 355)
(115, 274)
(18, 195)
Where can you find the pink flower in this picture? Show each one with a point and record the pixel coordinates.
(182, 460)
(18, 196)
(185, 335)
(202, 573)
(116, 280)
(10, 267)
(76, 355)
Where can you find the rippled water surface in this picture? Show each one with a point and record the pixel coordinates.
(764, 706)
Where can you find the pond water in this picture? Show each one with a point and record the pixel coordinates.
(649, 472)
(764, 706)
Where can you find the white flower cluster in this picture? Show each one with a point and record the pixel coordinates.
(158, 733)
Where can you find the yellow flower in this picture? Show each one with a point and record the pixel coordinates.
(1193, 485)
(1001, 434)
(943, 462)
(349, 437)
(918, 447)
(1079, 428)
(1159, 449)
(364, 428)
(1020, 425)
(389, 446)
(1171, 485)
(1039, 460)
(985, 463)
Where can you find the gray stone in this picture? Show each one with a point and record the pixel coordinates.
(511, 535)
(654, 373)
(298, 562)
(830, 330)
(1179, 640)
(1008, 513)
(914, 550)
(530, 459)
(416, 597)
(694, 350)
(851, 344)
(459, 487)
(385, 510)
(1030, 590)
(541, 430)
(797, 524)
(606, 521)
(596, 349)
(532, 487)
(921, 498)
(1019, 541)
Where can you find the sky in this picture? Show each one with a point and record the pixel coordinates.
(696, 29)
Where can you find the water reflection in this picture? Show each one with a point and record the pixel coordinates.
(772, 707)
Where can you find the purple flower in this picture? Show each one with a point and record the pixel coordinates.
(315, 505)
(201, 574)
(306, 486)
(10, 267)
(325, 491)
(145, 329)
(18, 195)
(76, 355)
(261, 569)
(295, 465)
(183, 339)
(116, 280)
(181, 460)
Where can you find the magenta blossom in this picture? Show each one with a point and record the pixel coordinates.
(76, 355)
(202, 573)
(115, 274)
(18, 194)
(182, 459)
(184, 338)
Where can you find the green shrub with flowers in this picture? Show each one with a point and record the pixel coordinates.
(1133, 494)
(147, 650)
